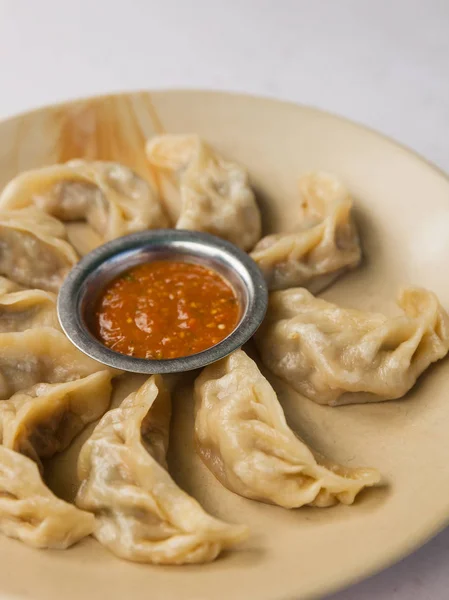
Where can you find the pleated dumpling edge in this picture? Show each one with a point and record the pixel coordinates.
(141, 513)
(242, 436)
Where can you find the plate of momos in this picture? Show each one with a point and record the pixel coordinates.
(311, 457)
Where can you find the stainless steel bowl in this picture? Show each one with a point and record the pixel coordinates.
(87, 279)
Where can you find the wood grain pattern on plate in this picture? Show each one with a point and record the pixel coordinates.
(402, 208)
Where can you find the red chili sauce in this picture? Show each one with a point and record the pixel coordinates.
(165, 309)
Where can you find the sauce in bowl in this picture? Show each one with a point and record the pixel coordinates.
(165, 309)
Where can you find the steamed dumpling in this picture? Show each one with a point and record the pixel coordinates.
(142, 515)
(243, 438)
(30, 512)
(324, 246)
(331, 354)
(34, 425)
(213, 195)
(24, 309)
(109, 196)
(33, 251)
(44, 419)
(40, 355)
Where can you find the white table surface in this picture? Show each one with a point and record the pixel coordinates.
(384, 63)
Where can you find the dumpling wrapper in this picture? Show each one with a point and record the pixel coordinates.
(44, 419)
(25, 309)
(332, 354)
(30, 512)
(41, 355)
(33, 251)
(243, 438)
(109, 196)
(213, 195)
(7, 286)
(142, 515)
(34, 425)
(325, 245)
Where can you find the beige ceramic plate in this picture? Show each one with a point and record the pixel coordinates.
(403, 212)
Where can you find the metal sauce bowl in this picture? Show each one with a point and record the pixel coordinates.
(82, 287)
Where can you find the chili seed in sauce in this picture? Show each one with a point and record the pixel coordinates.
(166, 309)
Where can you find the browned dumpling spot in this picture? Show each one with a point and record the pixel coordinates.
(142, 515)
(211, 194)
(243, 437)
(337, 356)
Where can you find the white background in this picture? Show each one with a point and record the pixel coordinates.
(384, 63)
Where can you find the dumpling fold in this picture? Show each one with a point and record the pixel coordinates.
(44, 419)
(109, 196)
(40, 355)
(33, 250)
(243, 438)
(142, 515)
(30, 512)
(332, 354)
(25, 309)
(35, 425)
(323, 246)
(213, 194)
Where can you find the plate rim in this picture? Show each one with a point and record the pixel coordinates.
(235, 94)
